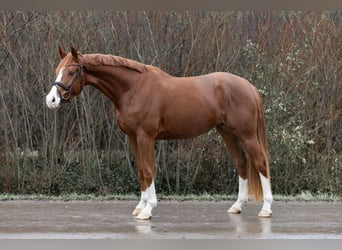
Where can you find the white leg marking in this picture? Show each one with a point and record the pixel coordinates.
(268, 198)
(242, 196)
(149, 199)
(142, 203)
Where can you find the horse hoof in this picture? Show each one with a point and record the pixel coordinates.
(234, 210)
(265, 214)
(136, 211)
(143, 216)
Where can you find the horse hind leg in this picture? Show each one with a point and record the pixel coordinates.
(268, 198)
(259, 174)
(240, 162)
(242, 197)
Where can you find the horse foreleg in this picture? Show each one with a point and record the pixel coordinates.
(145, 162)
(143, 198)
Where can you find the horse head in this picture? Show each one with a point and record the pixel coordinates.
(69, 80)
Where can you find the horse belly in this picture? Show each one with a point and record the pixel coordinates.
(185, 125)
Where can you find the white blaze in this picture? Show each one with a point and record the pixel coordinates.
(60, 75)
(53, 99)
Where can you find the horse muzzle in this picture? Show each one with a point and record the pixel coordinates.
(53, 100)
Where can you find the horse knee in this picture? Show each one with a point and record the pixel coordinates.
(148, 177)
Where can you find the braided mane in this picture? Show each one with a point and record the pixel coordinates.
(117, 61)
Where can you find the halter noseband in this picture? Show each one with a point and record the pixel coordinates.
(66, 95)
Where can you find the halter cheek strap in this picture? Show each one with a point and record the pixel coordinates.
(66, 96)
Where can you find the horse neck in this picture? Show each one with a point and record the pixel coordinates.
(113, 82)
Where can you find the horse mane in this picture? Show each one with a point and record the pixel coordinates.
(117, 61)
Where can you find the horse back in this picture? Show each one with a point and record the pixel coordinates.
(190, 106)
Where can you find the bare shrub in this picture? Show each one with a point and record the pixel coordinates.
(294, 59)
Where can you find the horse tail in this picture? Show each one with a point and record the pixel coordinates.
(262, 137)
(254, 183)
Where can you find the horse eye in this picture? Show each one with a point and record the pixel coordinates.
(71, 73)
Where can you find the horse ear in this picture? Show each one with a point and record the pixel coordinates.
(61, 52)
(74, 53)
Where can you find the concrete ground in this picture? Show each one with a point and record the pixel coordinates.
(171, 220)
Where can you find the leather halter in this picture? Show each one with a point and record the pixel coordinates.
(66, 95)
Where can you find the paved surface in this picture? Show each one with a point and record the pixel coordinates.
(171, 220)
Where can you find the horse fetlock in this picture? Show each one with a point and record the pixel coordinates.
(268, 199)
(146, 213)
(267, 204)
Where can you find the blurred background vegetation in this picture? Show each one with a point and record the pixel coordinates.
(294, 59)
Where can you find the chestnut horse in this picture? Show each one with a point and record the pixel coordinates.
(152, 105)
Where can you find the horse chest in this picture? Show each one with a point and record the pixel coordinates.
(130, 121)
(124, 123)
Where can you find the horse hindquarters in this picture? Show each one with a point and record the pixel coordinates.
(244, 132)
